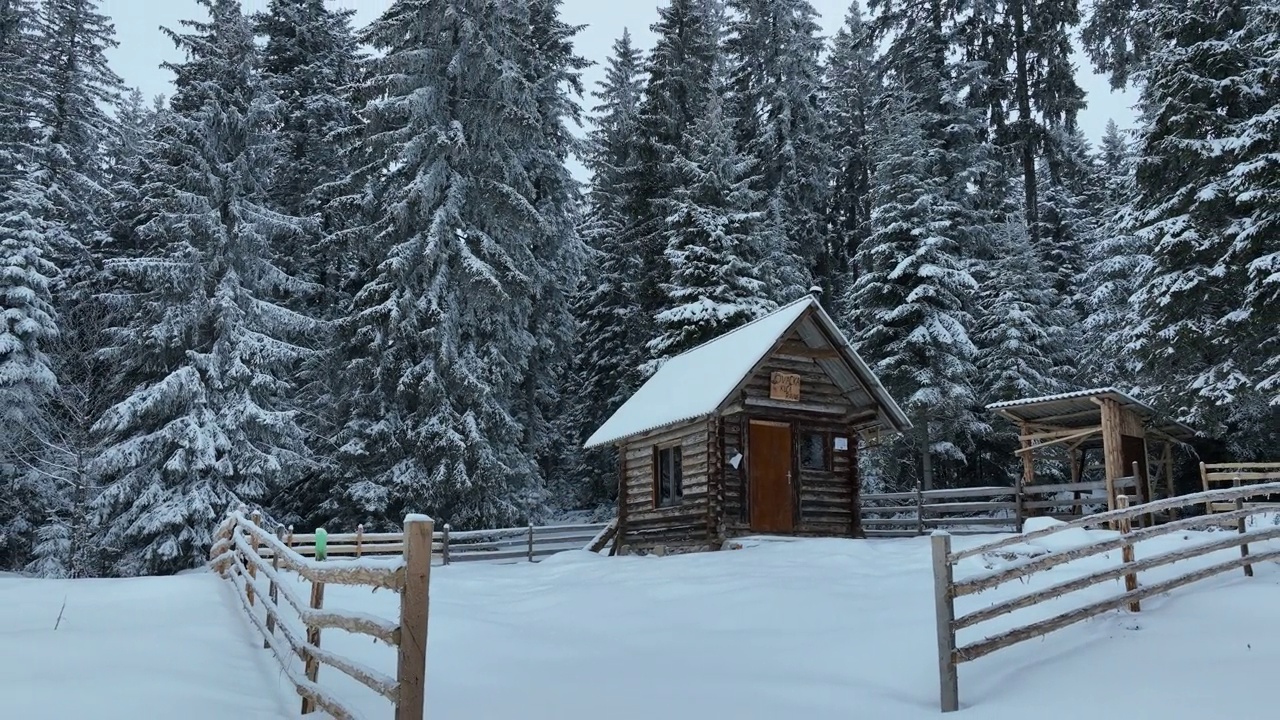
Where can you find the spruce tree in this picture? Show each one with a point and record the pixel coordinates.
(553, 71)
(775, 90)
(914, 295)
(1205, 176)
(715, 284)
(851, 91)
(609, 322)
(1114, 261)
(75, 124)
(679, 80)
(209, 423)
(439, 341)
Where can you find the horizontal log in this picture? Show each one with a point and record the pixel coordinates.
(874, 497)
(889, 522)
(1056, 591)
(1065, 502)
(1029, 632)
(1260, 465)
(386, 631)
(370, 678)
(975, 492)
(380, 573)
(1231, 476)
(1122, 483)
(943, 522)
(967, 507)
(985, 581)
(301, 684)
(1120, 514)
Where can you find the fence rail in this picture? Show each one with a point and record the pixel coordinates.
(243, 549)
(979, 510)
(530, 543)
(947, 588)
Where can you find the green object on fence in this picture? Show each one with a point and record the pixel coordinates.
(322, 543)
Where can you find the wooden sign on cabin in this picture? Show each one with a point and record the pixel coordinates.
(784, 386)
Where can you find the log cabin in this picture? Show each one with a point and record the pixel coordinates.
(754, 432)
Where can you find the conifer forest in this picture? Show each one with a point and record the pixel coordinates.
(345, 273)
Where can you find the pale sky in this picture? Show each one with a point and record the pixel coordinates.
(143, 46)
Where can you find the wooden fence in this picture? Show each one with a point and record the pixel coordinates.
(530, 543)
(1216, 475)
(980, 509)
(240, 554)
(947, 589)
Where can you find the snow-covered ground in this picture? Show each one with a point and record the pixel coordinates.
(818, 629)
(812, 629)
(171, 648)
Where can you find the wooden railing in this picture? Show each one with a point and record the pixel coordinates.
(530, 543)
(1217, 475)
(983, 509)
(240, 553)
(947, 589)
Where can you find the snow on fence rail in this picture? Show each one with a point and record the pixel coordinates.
(238, 555)
(947, 589)
(528, 543)
(978, 509)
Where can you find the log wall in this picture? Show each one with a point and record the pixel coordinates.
(680, 527)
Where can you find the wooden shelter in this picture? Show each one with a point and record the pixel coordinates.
(755, 431)
(1102, 420)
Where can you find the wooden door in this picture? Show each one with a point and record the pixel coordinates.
(769, 463)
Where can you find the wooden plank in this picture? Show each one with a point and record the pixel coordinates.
(1028, 448)
(1157, 506)
(1034, 630)
(411, 659)
(975, 492)
(1126, 554)
(986, 581)
(1231, 476)
(1075, 584)
(1234, 465)
(953, 508)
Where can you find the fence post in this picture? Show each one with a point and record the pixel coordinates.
(1019, 512)
(359, 538)
(1242, 526)
(312, 664)
(252, 565)
(444, 544)
(919, 510)
(274, 592)
(530, 542)
(944, 603)
(411, 665)
(1126, 553)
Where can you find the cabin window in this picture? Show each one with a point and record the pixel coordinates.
(668, 476)
(815, 452)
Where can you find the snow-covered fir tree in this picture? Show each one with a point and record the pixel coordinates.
(28, 326)
(553, 70)
(913, 298)
(1205, 181)
(209, 423)
(851, 83)
(609, 335)
(715, 282)
(310, 63)
(1115, 258)
(680, 73)
(774, 96)
(72, 114)
(440, 338)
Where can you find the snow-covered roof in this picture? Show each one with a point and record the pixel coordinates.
(1125, 398)
(1079, 408)
(696, 383)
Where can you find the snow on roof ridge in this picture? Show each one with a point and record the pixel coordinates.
(766, 316)
(702, 386)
